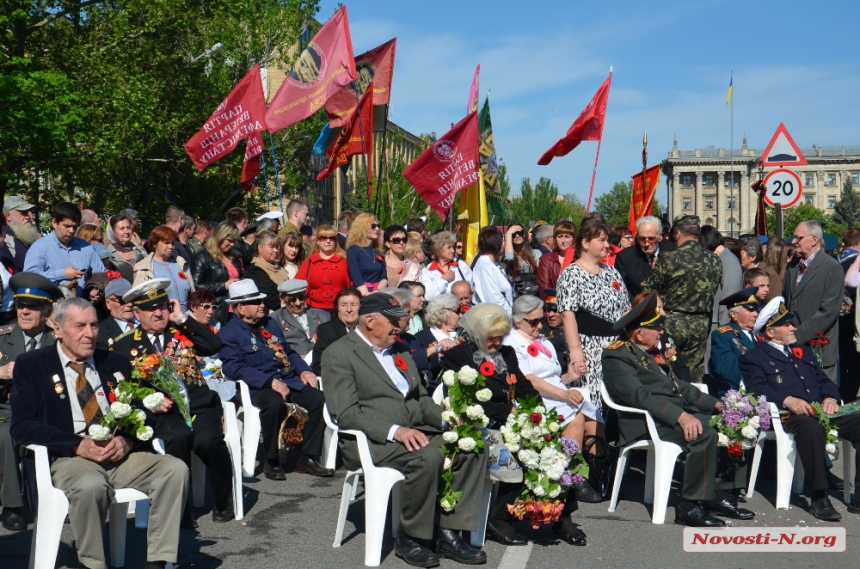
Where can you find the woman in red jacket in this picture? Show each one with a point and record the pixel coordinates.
(325, 270)
(549, 266)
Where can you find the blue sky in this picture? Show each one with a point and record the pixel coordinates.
(793, 62)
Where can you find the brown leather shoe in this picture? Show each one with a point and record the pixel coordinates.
(314, 468)
(274, 472)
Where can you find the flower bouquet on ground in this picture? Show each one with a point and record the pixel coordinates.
(552, 463)
(742, 418)
(160, 373)
(465, 420)
(122, 416)
(830, 446)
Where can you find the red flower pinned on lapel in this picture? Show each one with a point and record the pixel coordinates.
(798, 352)
(265, 333)
(487, 369)
(379, 258)
(400, 363)
(616, 285)
(182, 276)
(533, 352)
(111, 396)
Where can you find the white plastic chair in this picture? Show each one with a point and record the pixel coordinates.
(52, 510)
(251, 428)
(309, 357)
(789, 471)
(438, 394)
(660, 462)
(329, 441)
(379, 483)
(234, 447)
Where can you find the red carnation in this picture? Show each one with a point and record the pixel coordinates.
(798, 352)
(533, 352)
(548, 437)
(113, 275)
(736, 450)
(561, 418)
(535, 418)
(111, 396)
(616, 285)
(400, 363)
(265, 333)
(487, 369)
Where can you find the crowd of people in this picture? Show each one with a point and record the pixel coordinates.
(564, 313)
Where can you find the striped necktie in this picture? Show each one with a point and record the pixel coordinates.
(86, 395)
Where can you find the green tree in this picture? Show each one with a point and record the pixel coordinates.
(848, 207)
(792, 216)
(540, 202)
(615, 204)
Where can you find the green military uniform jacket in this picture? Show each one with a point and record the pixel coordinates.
(686, 278)
(12, 345)
(634, 379)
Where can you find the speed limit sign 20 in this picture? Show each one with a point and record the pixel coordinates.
(783, 188)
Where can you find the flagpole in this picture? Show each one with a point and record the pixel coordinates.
(277, 175)
(732, 151)
(382, 166)
(265, 179)
(364, 147)
(597, 156)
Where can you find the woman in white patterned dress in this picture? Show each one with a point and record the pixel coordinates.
(591, 298)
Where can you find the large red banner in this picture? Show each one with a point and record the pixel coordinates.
(252, 162)
(588, 126)
(355, 138)
(240, 115)
(448, 166)
(376, 65)
(321, 70)
(642, 199)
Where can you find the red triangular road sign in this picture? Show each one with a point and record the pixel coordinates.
(782, 150)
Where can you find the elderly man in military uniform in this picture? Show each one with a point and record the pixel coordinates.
(297, 321)
(34, 299)
(165, 329)
(121, 314)
(730, 342)
(639, 376)
(687, 279)
(788, 374)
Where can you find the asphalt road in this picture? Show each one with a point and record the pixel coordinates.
(291, 524)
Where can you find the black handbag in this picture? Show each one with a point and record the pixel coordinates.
(600, 464)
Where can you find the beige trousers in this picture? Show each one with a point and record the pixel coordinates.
(89, 488)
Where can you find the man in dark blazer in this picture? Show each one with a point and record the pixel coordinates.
(52, 406)
(734, 339)
(255, 352)
(635, 263)
(298, 322)
(346, 303)
(34, 299)
(813, 289)
(121, 314)
(165, 329)
(681, 412)
(368, 389)
(787, 373)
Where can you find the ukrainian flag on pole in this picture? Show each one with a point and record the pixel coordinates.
(731, 90)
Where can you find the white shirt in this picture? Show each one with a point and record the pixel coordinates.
(440, 335)
(71, 377)
(806, 262)
(491, 284)
(303, 321)
(123, 324)
(781, 347)
(435, 285)
(386, 360)
(38, 337)
(159, 345)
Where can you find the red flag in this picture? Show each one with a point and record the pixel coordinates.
(251, 165)
(376, 65)
(448, 166)
(239, 116)
(588, 126)
(642, 199)
(325, 65)
(349, 141)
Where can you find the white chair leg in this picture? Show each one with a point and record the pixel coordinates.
(846, 470)
(47, 531)
(620, 469)
(664, 463)
(649, 475)
(118, 513)
(756, 462)
(330, 448)
(198, 481)
(250, 443)
(234, 447)
(345, 497)
(396, 508)
(376, 495)
(141, 514)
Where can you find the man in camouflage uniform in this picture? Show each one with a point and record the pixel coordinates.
(687, 279)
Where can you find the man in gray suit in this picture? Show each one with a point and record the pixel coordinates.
(813, 290)
(297, 322)
(368, 389)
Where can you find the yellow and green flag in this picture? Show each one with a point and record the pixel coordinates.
(489, 163)
(731, 90)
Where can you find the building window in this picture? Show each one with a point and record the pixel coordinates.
(831, 180)
(729, 178)
(708, 179)
(831, 201)
(855, 179)
(731, 202)
(809, 200)
(687, 180)
(688, 203)
(709, 202)
(810, 180)
(732, 225)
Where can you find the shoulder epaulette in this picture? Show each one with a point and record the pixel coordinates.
(615, 345)
(724, 329)
(7, 329)
(123, 335)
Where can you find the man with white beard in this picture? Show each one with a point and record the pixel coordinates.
(18, 233)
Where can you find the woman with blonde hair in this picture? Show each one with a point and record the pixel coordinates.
(215, 268)
(325, 271)
(366, 264)
(440, 275)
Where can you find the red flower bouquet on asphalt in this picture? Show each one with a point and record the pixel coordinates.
(400, 363)
(487, 369)
(532, 351)
(616, 285)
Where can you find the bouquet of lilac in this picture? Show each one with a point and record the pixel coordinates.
(742, 418)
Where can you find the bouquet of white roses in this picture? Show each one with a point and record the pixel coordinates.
(122, 416)
(465, 420)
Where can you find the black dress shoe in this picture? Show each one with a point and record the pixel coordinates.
(586, 494)
(313, 467)
(504, 533)
(226, 514)
(274, 472)
(155, 565)
(449, 544)
(854, 505)
(188, 521)
(13, 520)
(725, 507)
(564, 530)
(834, 482)
(697, 517)
(823, 510)
(413, 551)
